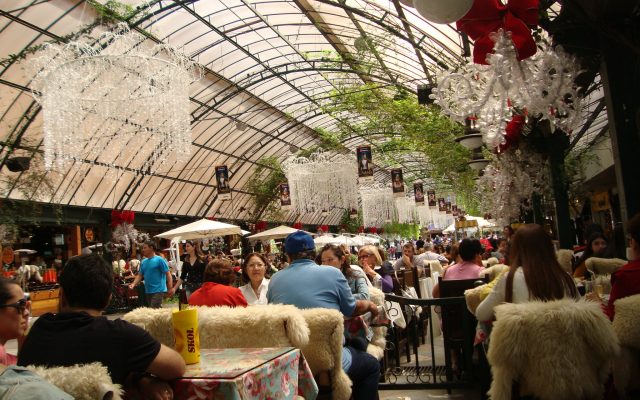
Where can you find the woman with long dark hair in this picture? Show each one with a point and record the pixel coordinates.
(193, 266)
(534, 273)
(596, 247)
(336, 257)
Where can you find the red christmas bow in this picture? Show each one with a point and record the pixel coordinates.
(512, 132)
(487, 16)
(120, 217)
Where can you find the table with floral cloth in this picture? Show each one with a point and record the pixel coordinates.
(247, 373)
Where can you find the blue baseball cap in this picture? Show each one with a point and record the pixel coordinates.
(297, 242)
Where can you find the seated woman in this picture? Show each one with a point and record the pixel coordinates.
(254, 270)
(596, 247)
(334, 256)
(534, 274)
(14, 317)
(377, 271)
(216, 289)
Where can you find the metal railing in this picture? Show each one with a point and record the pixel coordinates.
(418, 374)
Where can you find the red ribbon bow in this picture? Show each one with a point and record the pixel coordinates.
(488, 16)
(120, 217)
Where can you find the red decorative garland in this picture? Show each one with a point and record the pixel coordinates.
(488, 16)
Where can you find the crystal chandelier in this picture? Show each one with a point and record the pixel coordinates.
(323, 181)
(116, 101)
(541, 86)
(378, 205)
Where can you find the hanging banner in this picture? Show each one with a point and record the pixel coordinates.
(454, 210)
(447, 205)
(353, 213)
(397, 182)
(431, 198)
(285, 196)
(418, 191)
(222, 179)
(365, 165)
(442, 207)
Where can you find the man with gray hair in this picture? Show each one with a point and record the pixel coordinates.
(430, 255)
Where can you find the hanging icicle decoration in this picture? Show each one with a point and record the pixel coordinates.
(407, 210)
(323, 181)
(378, 205)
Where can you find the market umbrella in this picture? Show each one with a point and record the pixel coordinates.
(25, 251)
(278, 232)
(326, 239)
(201, 229)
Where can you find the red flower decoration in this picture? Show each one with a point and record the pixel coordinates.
(373, 230)
(361, 229)
(261, 226)
(297, 225)
(121, 217)
(512, 132)
(324, 228)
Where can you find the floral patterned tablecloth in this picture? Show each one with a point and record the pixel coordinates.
(261, 373)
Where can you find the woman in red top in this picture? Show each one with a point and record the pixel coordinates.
(216, 289)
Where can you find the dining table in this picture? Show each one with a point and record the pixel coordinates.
(247, 373)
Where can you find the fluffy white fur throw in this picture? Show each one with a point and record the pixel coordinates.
(602, 266)
(272, 325)
(627, 321)
(83, 382)
(494, 270)
(324, 351)
(555, 350)
(378, 341)
(565, 258)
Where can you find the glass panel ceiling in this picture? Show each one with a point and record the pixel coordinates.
(268, 66)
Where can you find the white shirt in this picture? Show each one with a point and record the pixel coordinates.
(484, 312)
(250, 295)
(430, 255)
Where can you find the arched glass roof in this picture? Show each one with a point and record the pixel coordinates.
(269, 65)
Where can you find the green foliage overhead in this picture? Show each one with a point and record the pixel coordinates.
(406, 231)
(263, 186)
(400, 128)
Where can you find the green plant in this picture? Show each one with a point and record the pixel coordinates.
(263, 186)
(403, 230)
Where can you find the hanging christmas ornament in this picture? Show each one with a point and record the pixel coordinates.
(443, 11)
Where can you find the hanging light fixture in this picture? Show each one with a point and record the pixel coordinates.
(472, 138)
(116, 101)
(378, 205)
(541, 86)
(323, 181)
(478, 162)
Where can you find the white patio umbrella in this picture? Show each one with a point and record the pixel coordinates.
(25, 251)
(278, 232)
(201, 229)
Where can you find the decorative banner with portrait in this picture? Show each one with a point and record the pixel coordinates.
(442, 207)
(447, 205)
(365, 164)
(418, 191)
(454, 210)
(353, 213)
(431, 198)
(222, 179)
(285, 196)
(397, 182)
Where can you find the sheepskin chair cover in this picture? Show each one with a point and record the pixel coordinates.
(494, 271)
(83, 382)
(324, 351)
(626, 324)
(604, 266)
(272, 325)
(378, 341)
(565, 258)
(435, 266)
(473, 297)
(554, 350)
(156, 321)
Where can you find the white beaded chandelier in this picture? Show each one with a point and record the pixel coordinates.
(407, 210)
(378, 205)
(541, 86)
(322, 182)
(115, 101)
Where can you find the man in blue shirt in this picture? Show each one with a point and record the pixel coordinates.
(154, 270)
(305, 284)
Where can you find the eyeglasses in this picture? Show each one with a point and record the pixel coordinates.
(20, 305)
(255, 266)
(362, 256)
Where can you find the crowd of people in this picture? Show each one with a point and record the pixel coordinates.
(80, 334)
